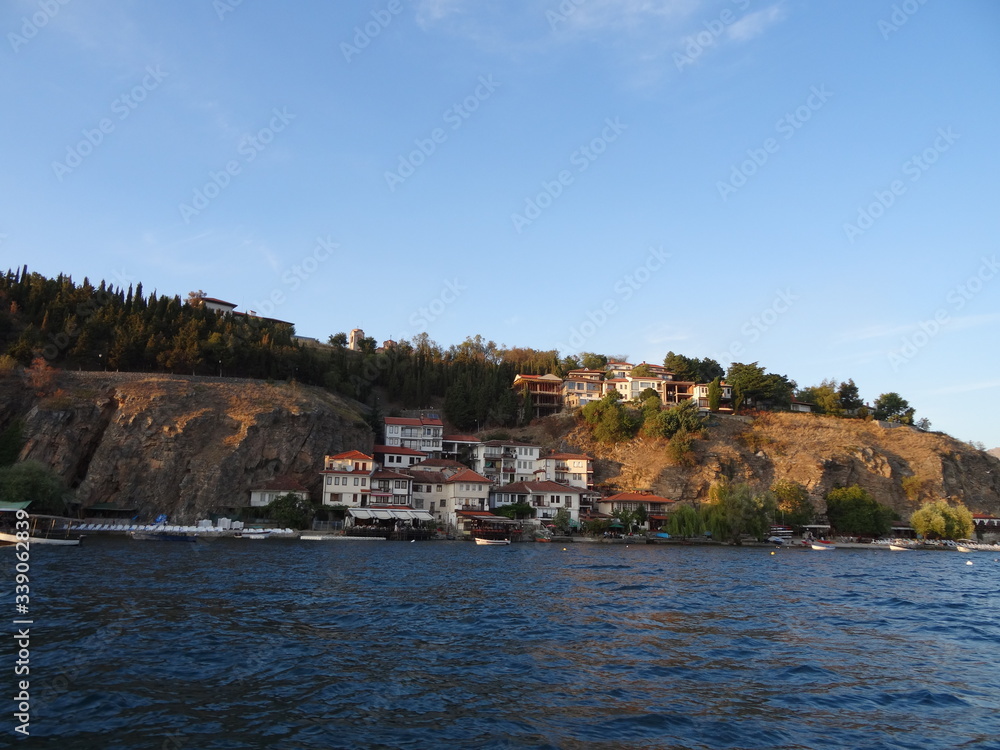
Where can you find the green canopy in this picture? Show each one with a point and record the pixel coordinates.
(14, 506)
(616, 524)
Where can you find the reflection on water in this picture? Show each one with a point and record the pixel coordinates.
(299, 645)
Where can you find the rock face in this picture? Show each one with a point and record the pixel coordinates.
(900, 466)
(181, 446)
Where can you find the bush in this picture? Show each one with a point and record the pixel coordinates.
(31, 480)
(851, 510)
(938, 520)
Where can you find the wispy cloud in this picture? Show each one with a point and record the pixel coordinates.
(755, 24)
(985, 385)
(641, 33)
(893, 330)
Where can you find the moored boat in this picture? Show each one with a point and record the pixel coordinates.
(485, 542)
(899, 548)
(822, 545)
(11, 539)
(163, 536)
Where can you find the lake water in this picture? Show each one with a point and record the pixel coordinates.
(285, 644)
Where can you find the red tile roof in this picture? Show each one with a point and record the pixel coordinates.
(286, 484)
(569, 456)
(468, 476)
(461, 438)
(351, 456)
(414, 422)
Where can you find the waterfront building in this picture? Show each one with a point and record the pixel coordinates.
(506, 461)
(262, 494)
(657, 508)
(347, 478)
(547, 498)
(574, 469)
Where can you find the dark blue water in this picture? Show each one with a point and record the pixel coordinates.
(252, 644)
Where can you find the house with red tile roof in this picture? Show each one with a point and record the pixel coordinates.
(545, 497)
(423, 433)
(574, 469)
(347, 478)
(397, 457)
(262, 494)
(390, 488)
(506, 461)
(657, 508)
(545, 391)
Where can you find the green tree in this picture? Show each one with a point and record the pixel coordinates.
(648, 393)
(851, 510)
(668, 422)
(939, 520)
(793, 503)
(715, 394)
(562, 520)
(593, 361)
(735, 510)
(35, 482)
(891, 407)
(641, 371)
(850, 400)
(338, 340)
(825, 397)
(755, 388)
(290, 510)
(685, 522)
(11, 442)
(640, 515)
(515, 510)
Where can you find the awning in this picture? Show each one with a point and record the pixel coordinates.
(385, 514)
(15, 506)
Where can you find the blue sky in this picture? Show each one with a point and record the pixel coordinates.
(807, 185)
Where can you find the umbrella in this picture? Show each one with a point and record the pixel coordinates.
(616, 525)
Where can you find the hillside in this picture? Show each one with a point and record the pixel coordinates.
(181, 445)
(190, 446)
(818, 452)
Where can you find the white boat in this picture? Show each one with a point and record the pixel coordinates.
(962, 548)
(900, 548)
(11, 539)
(491, 541)
(818, 545)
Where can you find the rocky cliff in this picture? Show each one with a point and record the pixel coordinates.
(182, 446)
(900, 466)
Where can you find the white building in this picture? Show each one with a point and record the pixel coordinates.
(347, 479)
(506, 461)
(546, 498)
(574, 469)
(265, 492)
(422, 434)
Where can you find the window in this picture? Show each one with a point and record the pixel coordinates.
(442, 503)
(400, 484)
(569, 501)
(329, 480)
(439, 489)
(355, 481)
(364, 481)
(418, 503)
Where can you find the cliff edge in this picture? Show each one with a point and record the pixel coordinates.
(178, 445)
